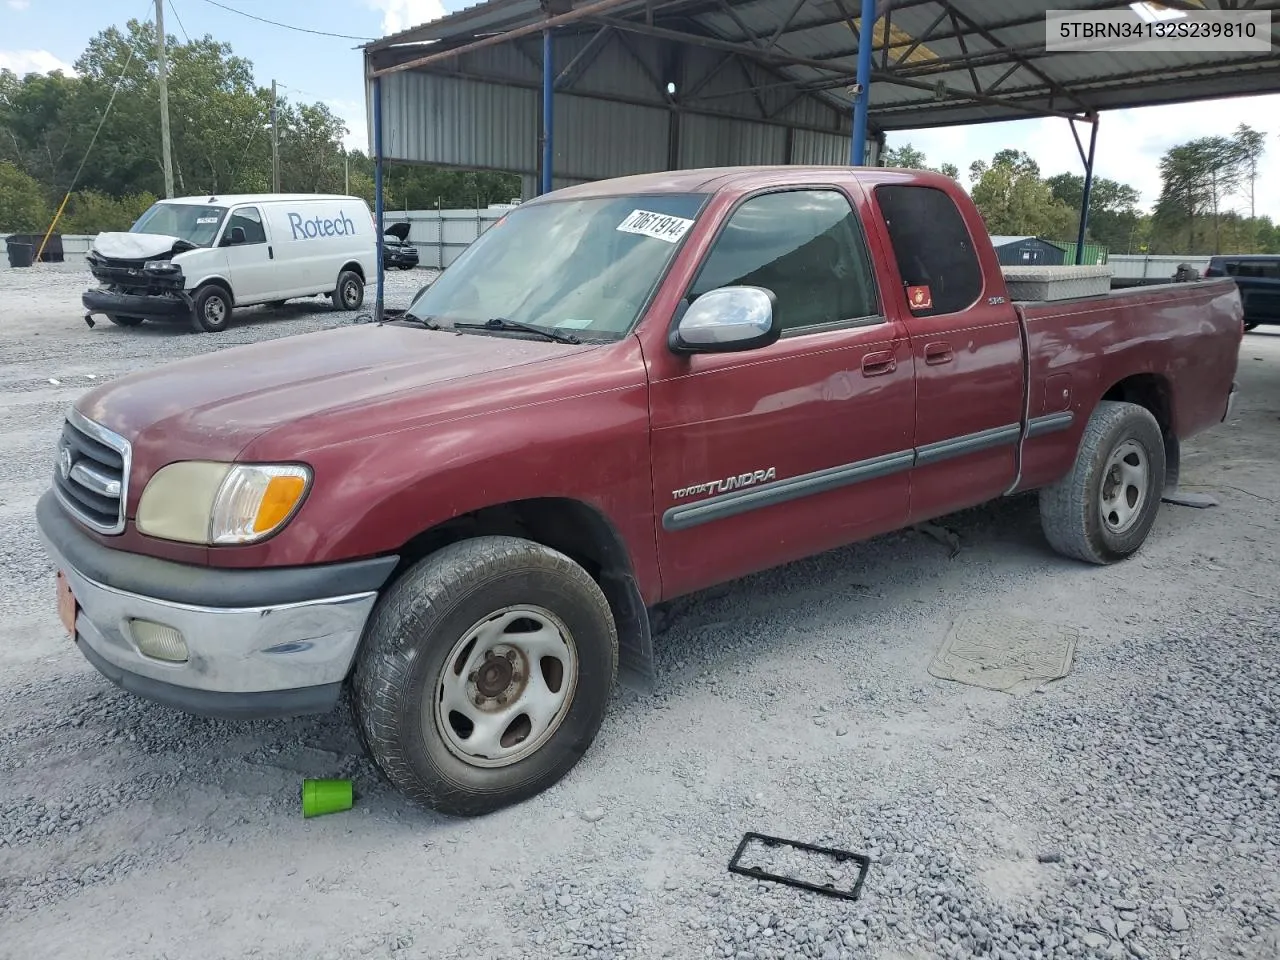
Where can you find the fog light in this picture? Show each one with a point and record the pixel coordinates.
(159, 642)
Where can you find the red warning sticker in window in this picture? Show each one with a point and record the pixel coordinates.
(920, 298)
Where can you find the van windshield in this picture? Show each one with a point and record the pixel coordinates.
(586, 267)
(195, 223)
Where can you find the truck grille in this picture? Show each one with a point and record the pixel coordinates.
(92, 476)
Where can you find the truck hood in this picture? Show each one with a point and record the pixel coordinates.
(398, 230)
(138, 246)
(212, 406)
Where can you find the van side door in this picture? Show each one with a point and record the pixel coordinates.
(250, 257)
(769, 455)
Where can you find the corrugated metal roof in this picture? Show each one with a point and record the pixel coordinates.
(998, 45)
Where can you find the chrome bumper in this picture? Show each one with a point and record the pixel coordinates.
(238, 657)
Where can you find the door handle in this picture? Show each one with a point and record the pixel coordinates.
(271, 254)
(936, 353)
(878, 364)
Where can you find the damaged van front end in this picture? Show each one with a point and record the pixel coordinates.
(138, 279)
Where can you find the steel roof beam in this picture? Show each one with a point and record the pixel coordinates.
(783, 59)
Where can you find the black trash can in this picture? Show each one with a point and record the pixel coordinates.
(21, 254)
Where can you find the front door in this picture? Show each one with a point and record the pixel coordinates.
(967, 348)
(251, 264)
(766, 456)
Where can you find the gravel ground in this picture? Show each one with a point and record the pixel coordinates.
(1128, 810)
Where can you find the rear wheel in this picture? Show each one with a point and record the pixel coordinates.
(485, 674)
(211, 311)
(349, 293)
(1104, 508)
(121, 321)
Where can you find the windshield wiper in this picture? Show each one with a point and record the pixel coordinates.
(426, 323)
(501, 323)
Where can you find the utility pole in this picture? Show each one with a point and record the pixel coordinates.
(275, 141)
(163, 70)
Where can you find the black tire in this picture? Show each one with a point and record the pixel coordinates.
(211, 309)
(120, 321)
(444, 601)
(349, 293)
(1073, 511)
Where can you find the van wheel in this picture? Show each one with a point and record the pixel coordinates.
(211, 309)
(120, 321)
(349, 293)
(484, 674)
(1104, 508)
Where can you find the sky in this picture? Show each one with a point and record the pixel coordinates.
(47, 34)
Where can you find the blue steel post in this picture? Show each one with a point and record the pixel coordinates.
(858, 149)
(548, 96)
(1088, 190)
(377, 187)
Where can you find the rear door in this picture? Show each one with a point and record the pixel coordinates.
(966, 346)
(250, 263)
(769, 455)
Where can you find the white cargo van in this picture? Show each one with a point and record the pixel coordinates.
(198, 258)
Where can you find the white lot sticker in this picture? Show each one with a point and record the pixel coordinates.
(206, 219)
(660, 226)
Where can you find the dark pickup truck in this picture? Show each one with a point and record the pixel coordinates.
(1258, 277)
(466, 513)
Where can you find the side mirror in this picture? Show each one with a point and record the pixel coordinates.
(235, 236)
(727, 320)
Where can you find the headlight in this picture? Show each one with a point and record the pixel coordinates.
(196, 501)
(160, 266)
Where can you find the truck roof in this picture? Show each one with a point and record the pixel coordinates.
(232, 198)
(715, 179)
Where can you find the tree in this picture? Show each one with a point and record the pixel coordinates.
(905, 156)
(22, 209)
(1014, 200)
(1196, 177)
(1113, 208)
(1250, 146)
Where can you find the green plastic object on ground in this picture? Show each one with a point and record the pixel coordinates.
(325, 796)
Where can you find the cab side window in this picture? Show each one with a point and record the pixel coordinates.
(932, 246)
(249, 220)
(807, 247)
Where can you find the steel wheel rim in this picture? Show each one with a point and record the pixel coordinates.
(349, 293)
(215, 311)
(506, 686)
(1125, 480)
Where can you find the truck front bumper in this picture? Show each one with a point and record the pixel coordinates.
(258, 643)
(149, 307)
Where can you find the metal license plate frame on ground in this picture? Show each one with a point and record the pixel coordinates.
(829, 890)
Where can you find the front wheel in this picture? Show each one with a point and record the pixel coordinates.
(1104, 508)
(485, 674)
(349, 293)
(211, 309)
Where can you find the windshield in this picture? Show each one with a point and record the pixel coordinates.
(587, 266)
(195, 223)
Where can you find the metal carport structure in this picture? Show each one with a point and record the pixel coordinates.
(569, 92)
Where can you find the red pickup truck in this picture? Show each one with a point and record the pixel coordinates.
(623, 392)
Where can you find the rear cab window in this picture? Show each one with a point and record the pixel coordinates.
(932, 246)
